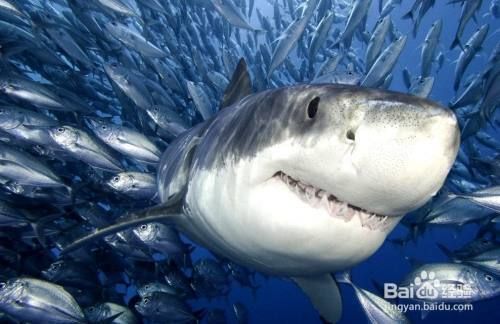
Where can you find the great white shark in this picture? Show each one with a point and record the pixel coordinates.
(302, 181)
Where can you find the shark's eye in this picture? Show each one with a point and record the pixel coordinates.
(350, 135)
(312, 108)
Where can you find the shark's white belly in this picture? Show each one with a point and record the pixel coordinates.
(286, 237)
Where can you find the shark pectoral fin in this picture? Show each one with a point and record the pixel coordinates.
(169, 211)
(324, 295)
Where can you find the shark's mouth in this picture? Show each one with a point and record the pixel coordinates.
(319, 198)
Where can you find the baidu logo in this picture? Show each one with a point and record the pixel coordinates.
(425, 286)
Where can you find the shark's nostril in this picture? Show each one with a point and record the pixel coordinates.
(351, 135)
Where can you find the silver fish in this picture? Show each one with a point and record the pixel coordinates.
(104, 312)
(288, 39)
(135, 185)
(230, 12)
(38, 301)
(470, 50)
(24, 169)
(377, 41)
(26, 125)
(384, 63)
(134, 40)
(81, 146)
(451, 282)
(377, 309)
(469, 7)
(422, 86)
(125, 140)
(429, 47)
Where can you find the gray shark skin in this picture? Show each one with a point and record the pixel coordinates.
(286, 181)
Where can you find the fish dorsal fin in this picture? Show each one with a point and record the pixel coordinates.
(239, 87)
(324, 295)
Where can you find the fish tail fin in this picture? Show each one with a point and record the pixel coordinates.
(456, 42)
(40, 224)
(167, 212)
(344, 277)
(408, 15)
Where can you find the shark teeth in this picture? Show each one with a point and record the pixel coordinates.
(336, 208)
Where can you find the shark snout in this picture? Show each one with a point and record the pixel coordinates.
(444, 128)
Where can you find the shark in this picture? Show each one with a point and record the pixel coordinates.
(301, 181)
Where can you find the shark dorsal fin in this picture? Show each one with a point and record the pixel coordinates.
(239, 87)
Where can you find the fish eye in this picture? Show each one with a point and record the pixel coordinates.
(61, 129)
(143, 227)
(312, 108)
(103, 127)
(488, 278)
(145, 300)
(91, 309)
(18, 302)
(350, 73)
(2, 285)
(116, 179)
(113, 23)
